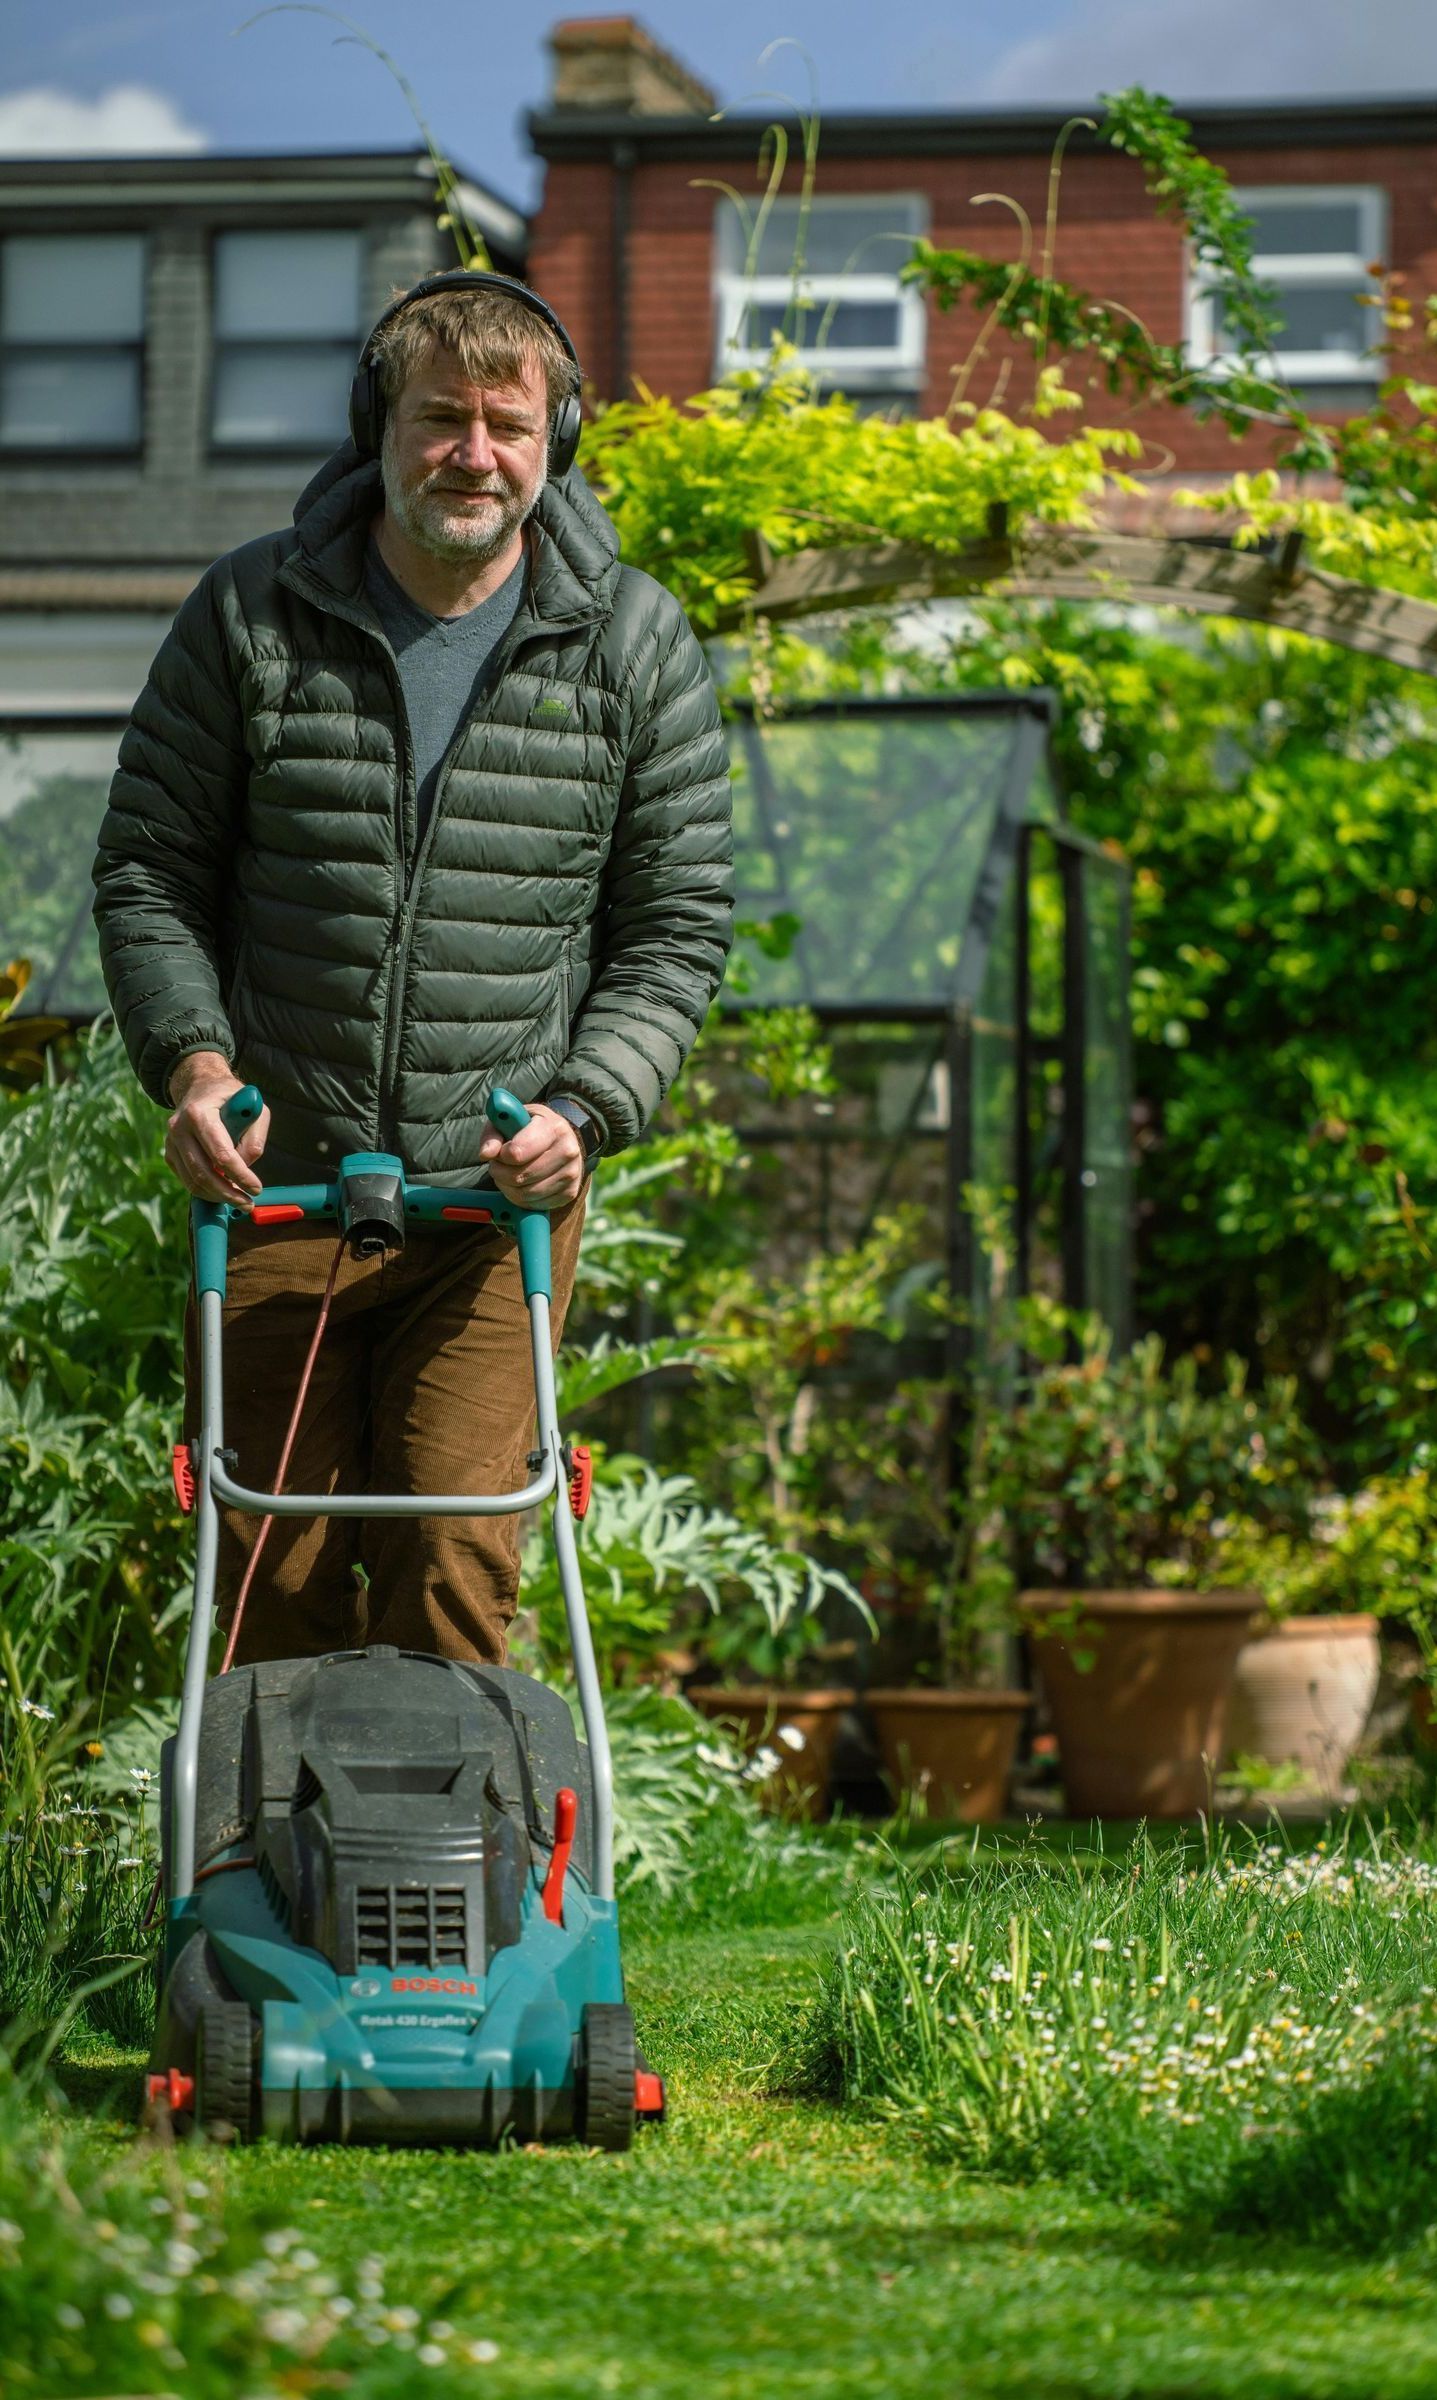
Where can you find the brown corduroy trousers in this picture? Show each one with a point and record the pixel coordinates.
(423, 1383)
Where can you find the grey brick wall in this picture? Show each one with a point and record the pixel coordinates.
(177, 505)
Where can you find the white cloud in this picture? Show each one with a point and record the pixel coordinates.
(1222, 50)
(46, 121)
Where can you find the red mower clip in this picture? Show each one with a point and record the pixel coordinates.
(581, 1478)
(182, 1468)
(173, 2091)
(650, 2098)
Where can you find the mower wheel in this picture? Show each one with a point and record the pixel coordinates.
(605, 2086)
(224, 2071)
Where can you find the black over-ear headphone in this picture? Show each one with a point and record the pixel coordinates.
(366, 393)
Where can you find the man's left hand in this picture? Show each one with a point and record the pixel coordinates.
(542, 1167)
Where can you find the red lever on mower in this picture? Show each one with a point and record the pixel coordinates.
(566, 1817)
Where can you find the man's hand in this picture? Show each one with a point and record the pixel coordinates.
(542, 1167)
(197, 1148)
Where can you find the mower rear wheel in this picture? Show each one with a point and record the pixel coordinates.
(605, 2084)
(224, 2071)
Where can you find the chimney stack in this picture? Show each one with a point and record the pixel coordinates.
(612, 66)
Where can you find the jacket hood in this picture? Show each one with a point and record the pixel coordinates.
(574, 560)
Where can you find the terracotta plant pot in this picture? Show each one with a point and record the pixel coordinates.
(1303, 1693)
(1141, 1729)
(954, 1750)
(799, 1727)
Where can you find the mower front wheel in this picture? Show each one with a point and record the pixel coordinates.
(605, 2083)
(224, 2071)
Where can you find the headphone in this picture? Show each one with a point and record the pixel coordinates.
(366, 393)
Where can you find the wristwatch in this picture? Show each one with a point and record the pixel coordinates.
(589, 1131)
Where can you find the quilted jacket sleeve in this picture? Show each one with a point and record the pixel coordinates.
(166, 841)
(667, 906)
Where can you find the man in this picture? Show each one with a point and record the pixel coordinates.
(426, 795)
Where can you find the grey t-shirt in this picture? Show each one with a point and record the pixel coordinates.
(442, 662)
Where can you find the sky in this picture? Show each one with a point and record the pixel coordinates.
(175, 75)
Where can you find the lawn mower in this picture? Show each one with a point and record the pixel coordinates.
(388, 1877)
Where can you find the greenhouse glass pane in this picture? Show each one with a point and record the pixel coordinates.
(53, 790)
(1107, 1142)
(872, 831)
(994, 1099)
(1042, 803)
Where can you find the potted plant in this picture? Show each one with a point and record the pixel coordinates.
(778, 1697)
(1306, 1681)
(670, 1580)
(1110, 1483)
(772, 1437)
(947, 1739)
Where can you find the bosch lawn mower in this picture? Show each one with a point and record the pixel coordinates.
(388, 1877)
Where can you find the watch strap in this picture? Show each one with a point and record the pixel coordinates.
(587, 1127)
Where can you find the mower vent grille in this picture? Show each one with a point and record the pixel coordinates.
(409, 1926)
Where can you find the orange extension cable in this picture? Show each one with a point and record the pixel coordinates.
(300, 1397)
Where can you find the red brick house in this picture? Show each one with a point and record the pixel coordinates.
(646, 260)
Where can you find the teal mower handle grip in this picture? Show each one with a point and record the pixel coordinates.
(242, 1109)
(507, 1114)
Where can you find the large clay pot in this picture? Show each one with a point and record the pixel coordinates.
(1141, 1723)
(953, 1750)
(1302, 1694)
(799, 1727)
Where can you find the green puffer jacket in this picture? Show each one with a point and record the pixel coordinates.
(564, 924)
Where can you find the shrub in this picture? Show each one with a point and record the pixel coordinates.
(1247, 2037)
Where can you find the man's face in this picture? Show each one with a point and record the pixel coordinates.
(464, 463)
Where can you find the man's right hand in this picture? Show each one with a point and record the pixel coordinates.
(197, 1148)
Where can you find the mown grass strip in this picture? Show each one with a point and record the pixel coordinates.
(760, 2247)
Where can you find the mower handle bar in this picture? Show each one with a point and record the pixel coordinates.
(428, 1204)
(435, 1204)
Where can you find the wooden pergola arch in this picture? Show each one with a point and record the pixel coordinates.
(1269, 585)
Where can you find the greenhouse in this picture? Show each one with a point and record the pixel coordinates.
(913, 881)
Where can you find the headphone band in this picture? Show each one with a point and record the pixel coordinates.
(367, 406)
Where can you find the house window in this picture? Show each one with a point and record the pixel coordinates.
(845, 312)
(286, 334)
(1314, 244)
(72, 331)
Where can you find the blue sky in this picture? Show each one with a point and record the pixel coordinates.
(85, 75)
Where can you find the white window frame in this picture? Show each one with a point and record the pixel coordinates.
(897, 366)
(1294, 266)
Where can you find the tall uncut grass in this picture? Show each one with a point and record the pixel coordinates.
(1247, 2036)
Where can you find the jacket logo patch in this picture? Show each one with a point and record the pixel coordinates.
(553, 711)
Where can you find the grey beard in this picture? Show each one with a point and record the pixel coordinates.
(421, 518)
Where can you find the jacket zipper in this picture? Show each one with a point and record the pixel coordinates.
(406, 881)
(324, 598)
(403, 933)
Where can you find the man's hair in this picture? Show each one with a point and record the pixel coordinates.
(491, 336)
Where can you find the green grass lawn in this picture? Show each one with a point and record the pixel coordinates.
(758, 2247)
